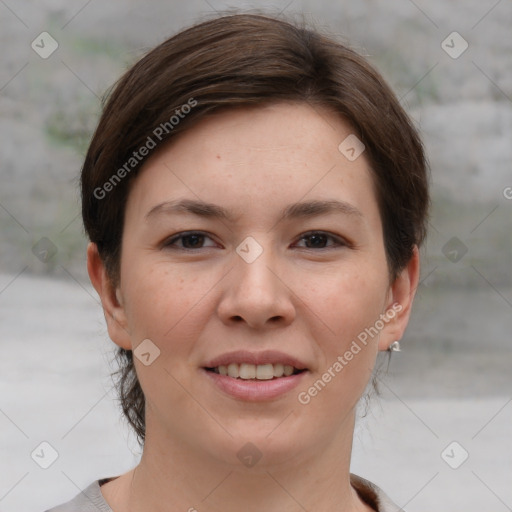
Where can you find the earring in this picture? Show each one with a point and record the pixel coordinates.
(394, 347)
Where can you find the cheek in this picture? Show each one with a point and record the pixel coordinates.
(347, 301)
(166, 303)
(345, 310)
(170, 308)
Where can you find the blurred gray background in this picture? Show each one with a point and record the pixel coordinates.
(452, 382)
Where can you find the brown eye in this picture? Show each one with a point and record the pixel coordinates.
(321, 240)
(190, 241)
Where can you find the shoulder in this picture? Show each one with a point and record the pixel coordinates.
(373, 495)
(89, 500)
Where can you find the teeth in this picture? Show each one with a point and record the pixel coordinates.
(278, 370)
(233, 370)
(288, 370)
(248, 371)
(265, 371)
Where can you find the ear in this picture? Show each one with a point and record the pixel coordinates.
(399, 302)
(110, 297)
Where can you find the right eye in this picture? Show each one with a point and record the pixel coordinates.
(188, 240)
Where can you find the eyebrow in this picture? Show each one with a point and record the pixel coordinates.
(295, 210)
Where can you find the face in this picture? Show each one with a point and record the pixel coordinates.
(252, 246)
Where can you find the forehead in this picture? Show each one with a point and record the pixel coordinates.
(254, 157)
(279, 130)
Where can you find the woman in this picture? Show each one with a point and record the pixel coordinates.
(255, 198)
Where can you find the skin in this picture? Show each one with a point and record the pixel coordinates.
(309, 298)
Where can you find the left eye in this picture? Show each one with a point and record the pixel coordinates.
(320, 240)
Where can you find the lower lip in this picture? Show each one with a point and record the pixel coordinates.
(255, 390)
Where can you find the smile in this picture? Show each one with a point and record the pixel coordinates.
(255, 376)
(248, 371)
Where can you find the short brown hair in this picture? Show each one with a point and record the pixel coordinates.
(245, 60)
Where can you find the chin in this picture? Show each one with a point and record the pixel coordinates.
(260, 448)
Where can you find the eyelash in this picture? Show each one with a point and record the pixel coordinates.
(170, 243)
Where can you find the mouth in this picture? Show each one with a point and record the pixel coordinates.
(248, 371)
(255, 376)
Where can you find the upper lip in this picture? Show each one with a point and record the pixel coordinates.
(256, 358)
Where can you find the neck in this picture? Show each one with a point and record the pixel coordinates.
(171, 477)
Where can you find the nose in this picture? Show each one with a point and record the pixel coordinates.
(256, 294)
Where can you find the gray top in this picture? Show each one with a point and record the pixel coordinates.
(91, 499)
